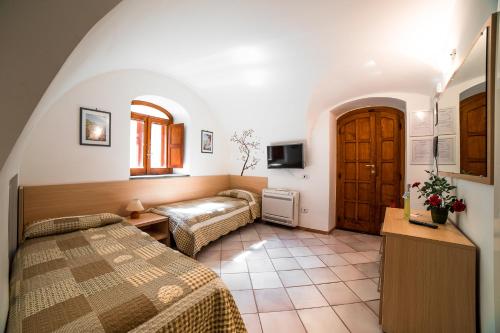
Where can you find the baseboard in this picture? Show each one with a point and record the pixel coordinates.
(314, 230)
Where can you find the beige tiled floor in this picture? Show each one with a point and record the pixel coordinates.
(288, 280)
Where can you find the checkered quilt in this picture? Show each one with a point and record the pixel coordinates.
(195, 223)
(115, 279)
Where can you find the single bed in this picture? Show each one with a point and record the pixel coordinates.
(195, 223)
(106, 275)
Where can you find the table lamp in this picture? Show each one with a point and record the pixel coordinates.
(135, 206)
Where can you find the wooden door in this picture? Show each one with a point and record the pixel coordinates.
(473, 135)
(370, 167)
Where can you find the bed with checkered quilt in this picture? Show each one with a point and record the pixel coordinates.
(114, 278)
(195, 223)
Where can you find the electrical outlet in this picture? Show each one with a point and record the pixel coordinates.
(304, 210)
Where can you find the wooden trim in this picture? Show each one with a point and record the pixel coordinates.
(314, 230)
(20, 217)
(249, 183)
(39, 202)
(491, 26)
(154, 106)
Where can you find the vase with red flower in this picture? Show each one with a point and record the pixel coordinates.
(438, 197)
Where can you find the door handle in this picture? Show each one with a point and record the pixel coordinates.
(371, 166)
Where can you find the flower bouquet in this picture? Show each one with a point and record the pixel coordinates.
(438, 199)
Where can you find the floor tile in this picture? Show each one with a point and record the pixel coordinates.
(355, 258)
(273, 244)
(310, 262)
(374, 306)
(252, 323)
(294, 278)
(237, 281)
(321, 249)
(208, 255)
(236, 245)
(306, 297)
(333, 260)
(256, 254)
(232, 255)
(253, 245)
(376, 280)
(271, 300)
(234, 236)
(370, 269)
(265, 280)
(372, 255)
(268, 237)
(365, 289)
(360, 246)
(337, 293)
(249, 236)
(358, 318)
(293, 242)
(341, 248)
(347, 273)
(312, 241)
(301, 234)
(330, 240)
(281, 252)
(245, 301)
(322, 320)
(302, 251)
(260, 265)
(281, 322)
(233, 266)
(284, 264)
(348, 239)
(321, 275)
(212, 246)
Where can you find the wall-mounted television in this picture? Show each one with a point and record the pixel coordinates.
(289, 156)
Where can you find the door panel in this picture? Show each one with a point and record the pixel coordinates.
(370, 163)
(473, 135)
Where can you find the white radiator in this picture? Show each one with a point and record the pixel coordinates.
(280, 206)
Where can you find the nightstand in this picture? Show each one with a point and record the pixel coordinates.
(155, 225)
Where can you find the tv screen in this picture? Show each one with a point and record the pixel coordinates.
(285, 157)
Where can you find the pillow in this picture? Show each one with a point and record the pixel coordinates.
(251, 197)
(60, 225)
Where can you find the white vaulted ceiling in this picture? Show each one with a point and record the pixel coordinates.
(279, 56)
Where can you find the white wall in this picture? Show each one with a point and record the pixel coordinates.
(54, 155)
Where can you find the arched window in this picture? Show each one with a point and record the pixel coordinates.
(156, 143)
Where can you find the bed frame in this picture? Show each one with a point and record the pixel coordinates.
(39, 202)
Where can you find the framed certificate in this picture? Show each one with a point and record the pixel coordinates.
(421, 123)
(421, 151)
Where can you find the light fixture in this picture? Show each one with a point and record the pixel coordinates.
(134, 207)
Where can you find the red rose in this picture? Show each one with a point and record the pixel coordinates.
(458, 206)
(416, 184)
(435, 200)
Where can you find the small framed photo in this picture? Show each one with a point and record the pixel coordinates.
(95, 128)
(207, 142)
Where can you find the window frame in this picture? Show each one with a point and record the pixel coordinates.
(148, 122)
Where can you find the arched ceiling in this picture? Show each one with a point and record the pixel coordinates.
(325, 51)
(276, 60)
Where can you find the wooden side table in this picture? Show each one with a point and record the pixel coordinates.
(155, 225)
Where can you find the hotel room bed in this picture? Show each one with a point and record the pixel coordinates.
(195, 223)
(112, 278)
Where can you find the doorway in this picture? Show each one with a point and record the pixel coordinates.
(370, 167)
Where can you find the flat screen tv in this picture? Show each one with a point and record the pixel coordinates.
(285, 156)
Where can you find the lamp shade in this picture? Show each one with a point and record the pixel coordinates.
(135, 206)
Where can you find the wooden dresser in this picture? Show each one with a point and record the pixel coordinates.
(428, 278)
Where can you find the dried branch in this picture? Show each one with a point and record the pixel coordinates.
(247, 145)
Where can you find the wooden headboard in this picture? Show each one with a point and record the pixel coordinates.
(39, 202)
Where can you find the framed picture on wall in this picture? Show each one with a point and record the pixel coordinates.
(95, 127)
(421, 123)
(207, 142)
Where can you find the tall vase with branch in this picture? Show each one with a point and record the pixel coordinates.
(247, 146)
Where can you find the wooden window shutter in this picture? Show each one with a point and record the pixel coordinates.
(175, 148)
